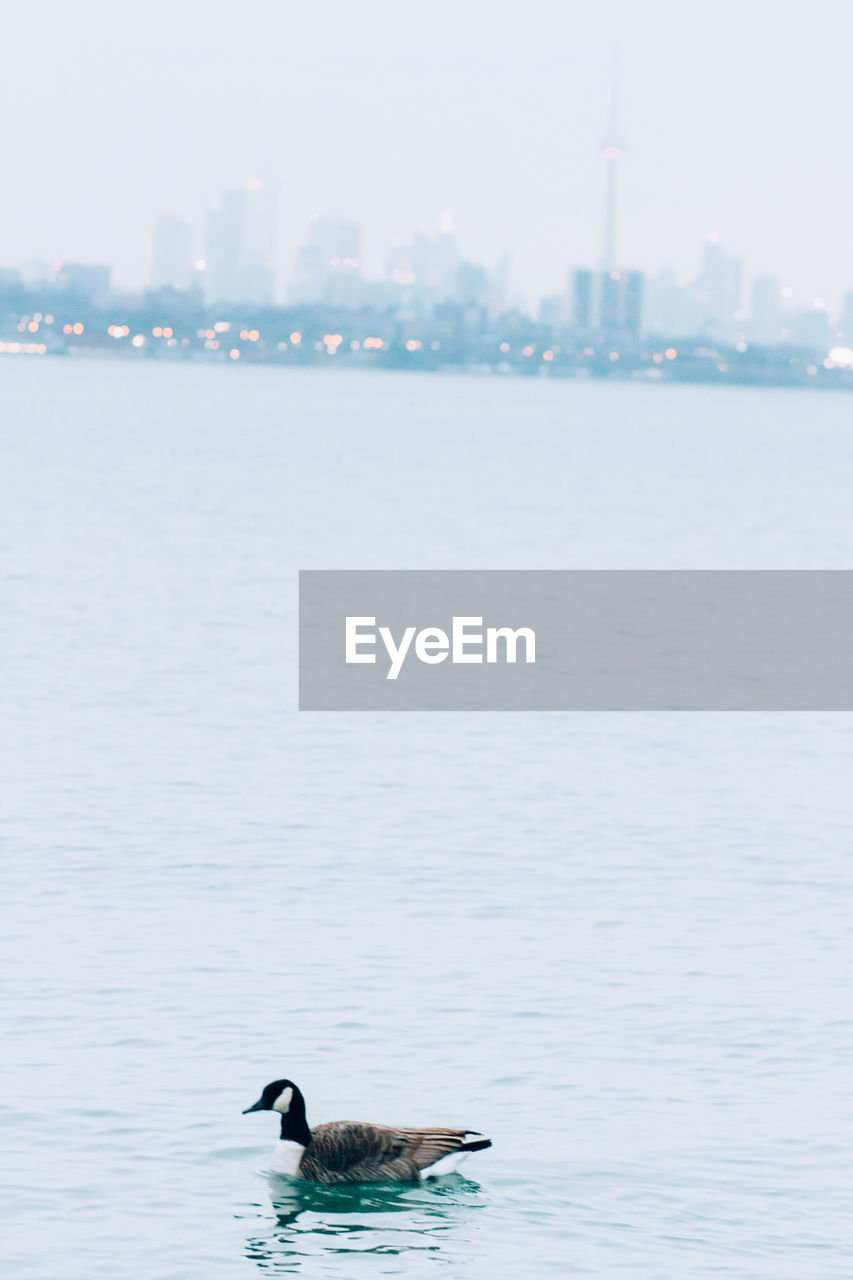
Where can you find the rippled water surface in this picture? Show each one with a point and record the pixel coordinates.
(618, 944)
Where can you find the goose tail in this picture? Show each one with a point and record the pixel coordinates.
(480, 1145)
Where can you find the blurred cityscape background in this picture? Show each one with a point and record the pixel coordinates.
(215, 293)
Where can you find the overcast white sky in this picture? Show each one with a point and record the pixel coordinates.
(737, 117)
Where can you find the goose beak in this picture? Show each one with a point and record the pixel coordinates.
(256, 1106)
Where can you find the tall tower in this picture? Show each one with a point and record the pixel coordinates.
(241, 245)
(612, 151)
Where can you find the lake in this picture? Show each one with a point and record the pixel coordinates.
(619, 944)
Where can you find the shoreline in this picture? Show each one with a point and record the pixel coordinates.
(687, 368)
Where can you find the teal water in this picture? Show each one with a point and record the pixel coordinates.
(618, 944)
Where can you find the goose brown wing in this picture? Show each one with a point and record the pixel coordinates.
(425, 1146)
(348, 1151)
(344, 1143)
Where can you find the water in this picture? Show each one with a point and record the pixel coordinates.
(619, 944)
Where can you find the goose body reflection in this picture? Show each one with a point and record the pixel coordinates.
(291, 1197)
(313, 1220)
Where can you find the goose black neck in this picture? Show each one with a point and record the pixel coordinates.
(294, 1126)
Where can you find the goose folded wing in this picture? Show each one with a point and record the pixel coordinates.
(426, 1146)
(349, 1148)
(344, 1145)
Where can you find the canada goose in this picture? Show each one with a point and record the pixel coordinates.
(348, 1151)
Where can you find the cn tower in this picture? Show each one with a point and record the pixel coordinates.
(612, 151)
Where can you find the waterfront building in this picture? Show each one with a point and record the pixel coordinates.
(327, 268)
(608, 305)
(172, 265)
(633, 298)
(241, 246)
(583, 305)
(719, 289)
(429, 268)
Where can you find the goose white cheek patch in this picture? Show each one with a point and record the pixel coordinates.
(282, 1102)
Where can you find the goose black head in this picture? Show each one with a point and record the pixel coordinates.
(277, 1096)
(286, 1098)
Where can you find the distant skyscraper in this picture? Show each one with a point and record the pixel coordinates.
(405, 265)
(473, 286)
(583, 306)
(719, 289)
(632, 304)
(620, 305)
(241, 243)
(446, 258)
(173, 259)
(608, 305)
(611, 288)
(428, 268)
(612, 151)
(672, 307)
(764, 312)
(328, 266)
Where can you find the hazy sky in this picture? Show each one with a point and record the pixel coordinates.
(737, 118)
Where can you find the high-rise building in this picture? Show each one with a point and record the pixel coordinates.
(446, 258)
(612, 152)
(583, 302)
(765, 320)
(610, 290)
(671, 307)
(608, 305)
(632, 304)
(327, 268)
(428, 272)
(428, 269)
(412, 264)
(620, 305)
(172, 267)
(719, 288)
(241, 245)
(472, 286)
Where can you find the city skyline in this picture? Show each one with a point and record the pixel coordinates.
(430, 308)
(184, 255)
(720, 298)
(383, 118)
